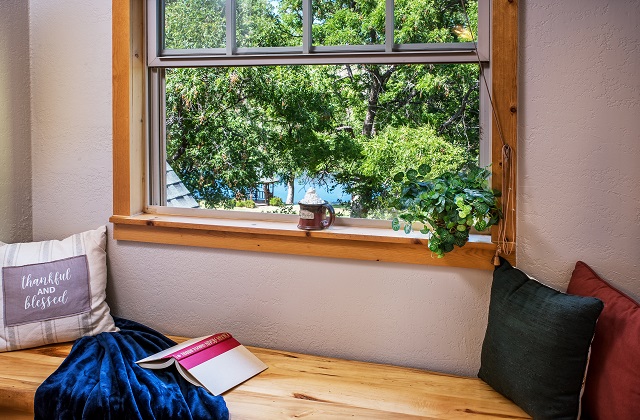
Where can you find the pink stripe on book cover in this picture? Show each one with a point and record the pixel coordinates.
(209, 353)
(199, 346)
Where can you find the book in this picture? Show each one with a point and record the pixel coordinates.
(217, 362)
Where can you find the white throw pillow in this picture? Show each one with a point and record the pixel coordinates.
(54, 291)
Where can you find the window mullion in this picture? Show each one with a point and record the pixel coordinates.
(230, 16)
(484, 30)
(389, 26)
(156, 151)
(307, 21)
(155, 30)
(484, 158)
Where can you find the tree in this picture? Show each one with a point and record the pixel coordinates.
(393, 150)
(298, 117)
(216, 149)
(394, 95)
(194, 24)
(355, 124)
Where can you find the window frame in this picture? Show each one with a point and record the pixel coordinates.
(307, 53)
(134, 220)
(159, 59)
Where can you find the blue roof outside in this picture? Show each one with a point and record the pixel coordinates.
(177, 194)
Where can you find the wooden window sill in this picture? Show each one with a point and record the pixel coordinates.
(283, 237)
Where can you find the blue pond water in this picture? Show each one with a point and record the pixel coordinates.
(328, 192)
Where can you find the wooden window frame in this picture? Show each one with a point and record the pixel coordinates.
(132, 220)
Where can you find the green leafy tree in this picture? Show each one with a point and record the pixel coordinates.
(298, 117)
(393, 150)
(217, 150)
(355, 124)
(194, 24)
(383, 96)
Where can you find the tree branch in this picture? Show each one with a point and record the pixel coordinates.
(459, 112)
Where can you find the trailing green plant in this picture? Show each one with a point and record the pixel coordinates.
(447, 206)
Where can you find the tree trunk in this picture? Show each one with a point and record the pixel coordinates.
(357, 208)
(290, 189)
(360, 207)
(266, 193)
(378, 83)
(368, 128)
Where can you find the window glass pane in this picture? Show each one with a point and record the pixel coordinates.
(269, 23)
(432, 21)
(348, 22)
(190, 24)
(236, 134)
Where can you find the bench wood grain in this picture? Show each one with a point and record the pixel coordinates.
(298, 385)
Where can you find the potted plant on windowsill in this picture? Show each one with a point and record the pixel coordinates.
(448, 206)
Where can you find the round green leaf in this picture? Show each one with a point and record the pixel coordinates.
(462, 234)
(424, 169)
(482, 208)
(398, 177)
(407, 228)
(395, 224)
(460, 241)
(412, 174)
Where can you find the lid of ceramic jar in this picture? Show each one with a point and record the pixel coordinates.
(312, 198)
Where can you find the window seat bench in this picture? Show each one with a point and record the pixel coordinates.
(298, 385)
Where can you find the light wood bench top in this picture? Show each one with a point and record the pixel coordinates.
(298, 385)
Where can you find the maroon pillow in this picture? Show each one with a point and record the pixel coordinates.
(612, 389)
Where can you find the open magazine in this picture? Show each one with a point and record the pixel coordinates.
(217, 362)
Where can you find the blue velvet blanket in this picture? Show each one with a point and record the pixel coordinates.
(100, 380)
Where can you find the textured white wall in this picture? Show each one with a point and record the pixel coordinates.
(579, 159)
(577, 198)
(15, 143)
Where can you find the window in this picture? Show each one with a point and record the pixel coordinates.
(307, 40)
(363, 96)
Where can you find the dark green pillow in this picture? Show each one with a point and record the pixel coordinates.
(536, 347)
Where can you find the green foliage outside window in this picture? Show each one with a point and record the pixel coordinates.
(357, 125)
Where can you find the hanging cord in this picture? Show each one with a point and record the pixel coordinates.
(508, 171)
(508, 204)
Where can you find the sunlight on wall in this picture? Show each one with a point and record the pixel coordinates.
(5, 129)
(15, 143)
